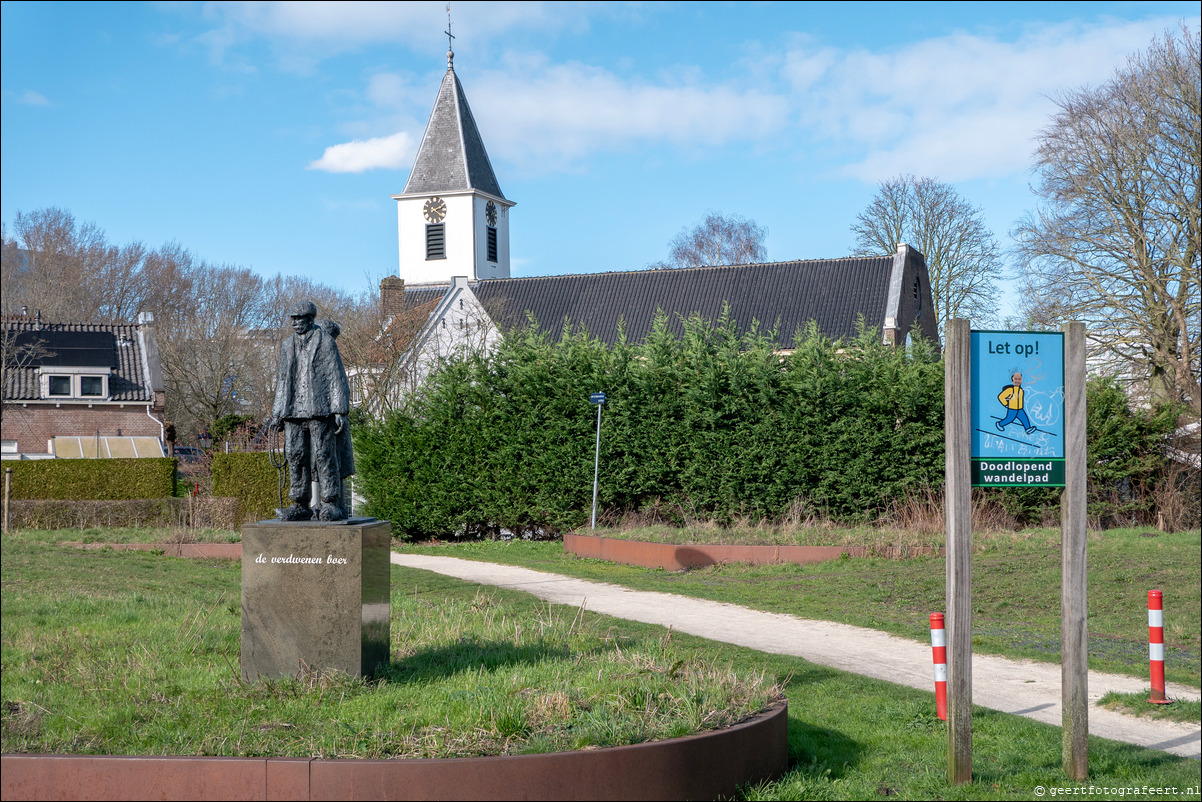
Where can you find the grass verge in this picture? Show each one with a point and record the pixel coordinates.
(131, 534)
(136, 653)
(1016, 591)
(1137, 704)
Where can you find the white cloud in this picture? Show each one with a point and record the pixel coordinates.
(957, 107)
(359, 155)
(326, 28)
(552, 116)
(27, 98)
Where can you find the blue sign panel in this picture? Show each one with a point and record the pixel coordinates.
(597, 398)
(1017, 409)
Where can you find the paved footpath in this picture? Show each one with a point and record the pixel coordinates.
(1020, 687)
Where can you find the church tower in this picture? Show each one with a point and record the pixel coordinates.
(452, 218)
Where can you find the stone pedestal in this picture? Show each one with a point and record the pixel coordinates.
(315, 595)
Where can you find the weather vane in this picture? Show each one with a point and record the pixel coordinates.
(450, 36)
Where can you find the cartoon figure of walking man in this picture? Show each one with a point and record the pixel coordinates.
(1011, 397)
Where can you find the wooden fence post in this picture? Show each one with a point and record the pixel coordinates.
(958, 529)
(8, 484)
(1074, 637)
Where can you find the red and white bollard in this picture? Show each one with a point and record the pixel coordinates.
(939, 655)
(1156, 646)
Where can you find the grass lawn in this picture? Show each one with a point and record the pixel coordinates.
(131, 534)
(105, 649)
(114, 652)
(1016, 591)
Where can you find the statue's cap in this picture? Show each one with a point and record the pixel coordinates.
(303, 309)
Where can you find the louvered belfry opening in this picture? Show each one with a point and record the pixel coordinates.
(436, 241)
(492, 245)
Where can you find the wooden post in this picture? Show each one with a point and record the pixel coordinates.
(1074, 640)
(8, 483)
(957, 398)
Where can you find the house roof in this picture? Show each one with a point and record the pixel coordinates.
(834, 293)
(117, 347)
(452, 155)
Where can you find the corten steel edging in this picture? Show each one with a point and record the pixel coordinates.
(673, 557)
(705, 766)
(217, 551)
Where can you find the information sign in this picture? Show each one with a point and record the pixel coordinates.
(1017, 409)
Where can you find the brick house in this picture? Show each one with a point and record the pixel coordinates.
(75, 390)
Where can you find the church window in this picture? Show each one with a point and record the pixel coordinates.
(492, 245)
(436, 241)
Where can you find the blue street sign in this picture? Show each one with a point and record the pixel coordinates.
(1017, 409)
(597, 398)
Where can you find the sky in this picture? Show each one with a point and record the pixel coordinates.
(271, 135)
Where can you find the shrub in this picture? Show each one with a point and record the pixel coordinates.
(93, 479)
(250, 478)
(201, 513)
(711, 424)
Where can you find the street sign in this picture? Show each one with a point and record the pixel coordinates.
(597, 398)
(1017, 409)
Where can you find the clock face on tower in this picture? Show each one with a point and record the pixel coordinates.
(435, 210)
(490, 214)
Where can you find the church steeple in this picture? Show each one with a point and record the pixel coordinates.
(452, 155)
(453, 219)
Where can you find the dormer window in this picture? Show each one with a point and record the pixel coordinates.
(89, 386)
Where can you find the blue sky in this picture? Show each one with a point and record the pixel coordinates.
(270, 135)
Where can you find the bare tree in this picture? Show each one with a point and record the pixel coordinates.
(218, 327)
(70, 272)
(56, 260)
(962, 255)
(717, 240)
(210, 356)
(1115, 242)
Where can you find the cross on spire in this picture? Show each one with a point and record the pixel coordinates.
(450, 36)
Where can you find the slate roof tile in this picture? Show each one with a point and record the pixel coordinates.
(452, 155)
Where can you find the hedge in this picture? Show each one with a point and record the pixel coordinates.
(249, 477)
(93, 479)
(199, 512)
(710, 425)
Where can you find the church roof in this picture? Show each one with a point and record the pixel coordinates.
(452, 155)
(835, 293)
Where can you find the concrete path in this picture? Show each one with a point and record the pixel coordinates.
(1020, 687)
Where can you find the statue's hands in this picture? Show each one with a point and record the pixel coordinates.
(339, 423)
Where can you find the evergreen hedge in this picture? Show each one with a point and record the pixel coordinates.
(710, 425)
(249, 477)
(93, 479)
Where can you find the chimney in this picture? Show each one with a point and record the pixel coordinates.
(392, 297)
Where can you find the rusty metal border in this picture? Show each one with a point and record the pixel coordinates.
(681, 557)
(709, 765)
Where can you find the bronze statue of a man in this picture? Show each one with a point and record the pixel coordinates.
(312, 399)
